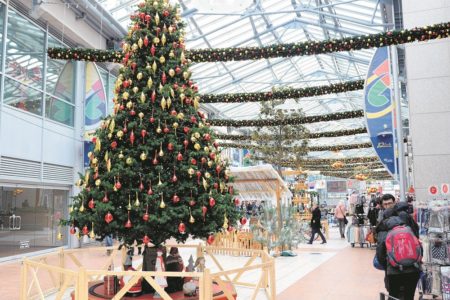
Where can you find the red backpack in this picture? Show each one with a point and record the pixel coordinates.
(403, 248)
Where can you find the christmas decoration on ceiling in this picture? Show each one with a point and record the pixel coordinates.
(288, 121)
(155, 171)
(327, 161)
(347, 132)
(298, 148)
(352, 43)
(284, 93)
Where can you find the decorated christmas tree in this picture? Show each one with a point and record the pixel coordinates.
(155, 172)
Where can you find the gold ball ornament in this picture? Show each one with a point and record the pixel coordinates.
(129, 161)
(227, 172)
(143, 156)
(89, 154)
(129, 104)
(125, 95)
(210, 163)
(98, 182)
(171, 53)
(197, 146)
(191, 171)
(119, 134)
(207, 175)
(162, 59)
(175, 125)
(180, 116)
(193, 139)
(121, 156)
(135, 89)
(171, 72)
(134, 47)
(109, 135)
(186, 75)
(206, 149)
(141, 115)
(139, 76)
(156, 40)
(197, 135)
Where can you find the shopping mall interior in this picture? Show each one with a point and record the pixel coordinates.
(200, 149)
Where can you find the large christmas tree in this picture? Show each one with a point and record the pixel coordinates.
(155, 172)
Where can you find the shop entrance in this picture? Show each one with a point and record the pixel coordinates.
(29, 219)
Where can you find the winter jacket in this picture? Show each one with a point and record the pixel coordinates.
(383, 228)
(315, 220)
(402, 211)
(339, 212)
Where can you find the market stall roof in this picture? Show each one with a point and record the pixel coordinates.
(259, 183)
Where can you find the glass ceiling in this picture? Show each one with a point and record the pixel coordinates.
(233, 23)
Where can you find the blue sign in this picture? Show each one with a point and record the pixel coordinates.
(379, 108)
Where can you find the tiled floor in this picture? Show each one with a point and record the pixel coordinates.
(331, 271)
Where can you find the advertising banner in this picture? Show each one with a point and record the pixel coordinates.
(379, 108)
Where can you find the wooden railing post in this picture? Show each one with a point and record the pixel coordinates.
(61, 265)
(82, 283)
(24, 280)
(199, 250)
(265, 280)
(273, 287)
(208, 291)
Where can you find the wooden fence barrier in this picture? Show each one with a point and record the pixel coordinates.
(66, 271)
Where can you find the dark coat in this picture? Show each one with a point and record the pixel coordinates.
(383, 229)
(315, 220)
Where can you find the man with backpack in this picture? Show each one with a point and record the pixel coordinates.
(400, 253)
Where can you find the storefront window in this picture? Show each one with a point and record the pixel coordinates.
(58, 110)
(29, 219)
(25, 51)
(23, 97)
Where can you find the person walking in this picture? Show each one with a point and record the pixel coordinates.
(339, 214)
(402, 268)
(316, 225)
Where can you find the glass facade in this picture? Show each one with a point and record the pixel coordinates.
(29, 219)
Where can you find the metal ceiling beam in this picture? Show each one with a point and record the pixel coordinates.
(123, 5)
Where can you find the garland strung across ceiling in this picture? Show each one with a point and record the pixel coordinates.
(381, 39)
(326, 161)
(288, 121)
(347, 132)
(285, 93)
(313, 148)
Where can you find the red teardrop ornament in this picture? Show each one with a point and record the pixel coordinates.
(182, 228)
(145, 217)
(153, 97)
(109, 217)
(152, 50)
(128, 224)
(118, 185)
(212, 202)
(210, 239)
(150, 191)
(105, 198)
(141, 186)
(132, 137)
(179, 156)
(204, 210)
(91, 203)
(163, 78)
(143, 133)
(146, 38)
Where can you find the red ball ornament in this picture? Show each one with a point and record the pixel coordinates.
(175, 198)
(128, 224)
(152, 120)
(216, 185)
(85, 230)
(118, 185)
(166, 13)
(216, 145)
(192, 202)
(132, 112)
(145, 217)
(91, 204)
(186, 129)
(143, 133)
(193, 161)
(210, 239)
(113, 145)
(193, 118)
(93, 140)
(126, 84)
(175, 86)
(105, 198)
(182, 228)
(109, 217)
(146, 240)
(188, 102)
(178, 70)
(170, 147)
(212, 156)
(206, 137)
(218, 169)
(230, 228)
(185, 143)
(166, 129)
(204, 160)
(236, 201)
(179, 156)
(148, 18)
(142, 16)
(72, 230)
(212, 202)
(173, 112)
(243, 221)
